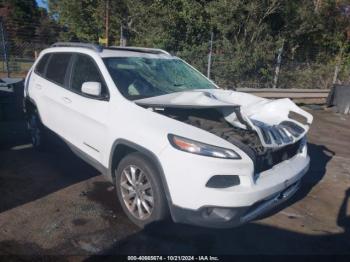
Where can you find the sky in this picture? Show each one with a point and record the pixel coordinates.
(42, 3)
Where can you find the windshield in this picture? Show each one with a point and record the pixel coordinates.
(139, 77)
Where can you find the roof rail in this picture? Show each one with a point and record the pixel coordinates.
(94, 47)
(99, 48)
(139, 49)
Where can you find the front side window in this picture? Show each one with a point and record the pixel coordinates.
(57, 67)
(85, 70)
(139, 77)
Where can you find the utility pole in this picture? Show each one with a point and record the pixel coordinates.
(210, 54)
(107, 22)
(335, 75)
(338, 66)
(122, 39)
(4, 49)
(278, 66)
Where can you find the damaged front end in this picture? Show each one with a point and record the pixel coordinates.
(269, 131)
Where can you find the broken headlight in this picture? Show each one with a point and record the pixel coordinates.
(199, 148)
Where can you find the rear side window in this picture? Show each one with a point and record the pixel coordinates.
(57, 67)
(85, 70)
(40, 68)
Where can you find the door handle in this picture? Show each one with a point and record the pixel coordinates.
(37, 86)
(66, 100)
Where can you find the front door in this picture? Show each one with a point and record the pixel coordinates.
(88, 114)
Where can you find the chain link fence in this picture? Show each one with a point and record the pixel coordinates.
(291, 73)
(17, 58)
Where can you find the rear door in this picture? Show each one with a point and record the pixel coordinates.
(53, 85)
(35, 86)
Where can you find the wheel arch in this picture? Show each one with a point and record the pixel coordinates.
(122, 147)
(30, 106)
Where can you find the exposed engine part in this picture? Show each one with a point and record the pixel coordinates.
(278, 123)
(213, 121)
(228, 132)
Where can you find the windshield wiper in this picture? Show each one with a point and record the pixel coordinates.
(178, 84)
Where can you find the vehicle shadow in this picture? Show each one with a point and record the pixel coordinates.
(169, 238)
(27, 174)
(254, 238)
(320, 155)
(13, 133)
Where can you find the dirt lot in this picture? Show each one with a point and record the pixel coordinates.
(53, 203)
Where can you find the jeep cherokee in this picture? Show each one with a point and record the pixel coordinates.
(171, 141)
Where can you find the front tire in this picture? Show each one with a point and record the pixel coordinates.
(140, 190)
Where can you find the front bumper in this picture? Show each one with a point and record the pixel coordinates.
(224, 217)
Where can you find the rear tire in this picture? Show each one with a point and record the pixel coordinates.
(37, 131)
(139, 189)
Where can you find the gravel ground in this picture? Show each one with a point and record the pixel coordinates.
(53, 203)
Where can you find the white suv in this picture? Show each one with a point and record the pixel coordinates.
(167, 137)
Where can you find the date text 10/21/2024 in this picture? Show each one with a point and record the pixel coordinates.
(173, 258)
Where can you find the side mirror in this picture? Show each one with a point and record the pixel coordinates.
(91, 88)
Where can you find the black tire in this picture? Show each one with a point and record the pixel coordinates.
(159, 207)
(37, 131)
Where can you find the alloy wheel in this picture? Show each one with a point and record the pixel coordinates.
(136, 191)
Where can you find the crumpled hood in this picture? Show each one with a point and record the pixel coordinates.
(278, 122)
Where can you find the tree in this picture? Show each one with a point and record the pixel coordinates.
(21, 19)
(47, 31)
(81, 19)
(247, 34)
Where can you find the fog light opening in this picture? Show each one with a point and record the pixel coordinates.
(223, 181)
